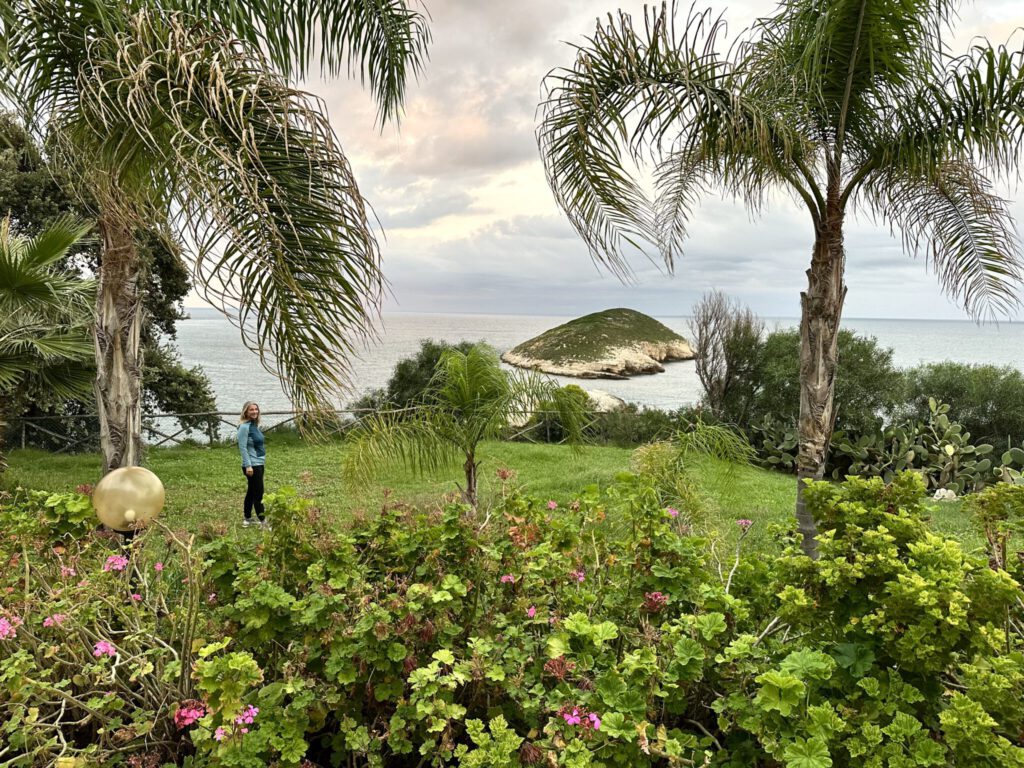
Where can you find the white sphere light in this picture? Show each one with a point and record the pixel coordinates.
(128, 498)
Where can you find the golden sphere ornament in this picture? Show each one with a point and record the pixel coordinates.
(128, 498)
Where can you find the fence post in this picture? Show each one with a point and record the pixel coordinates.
(209, 433)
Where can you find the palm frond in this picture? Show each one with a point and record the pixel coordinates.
(45, 315)
(715, 441)
(629, 94)
(384, 42)
(385, 439)
(27, 277)
(964, 230)
(974, 109)
(854, 57)
(262, 188)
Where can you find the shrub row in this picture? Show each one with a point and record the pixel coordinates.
(594, 631)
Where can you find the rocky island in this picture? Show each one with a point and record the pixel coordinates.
(613, 344)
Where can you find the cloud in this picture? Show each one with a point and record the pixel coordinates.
(470, 222)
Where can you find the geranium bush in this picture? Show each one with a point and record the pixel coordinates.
(590, 631)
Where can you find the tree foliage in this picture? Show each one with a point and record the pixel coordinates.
(34, 193)
(988, 400)
(470, 398)
(186, 112)
(728, 351)
(45, 314)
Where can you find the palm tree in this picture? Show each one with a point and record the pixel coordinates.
(45, 315)
(185, 109)
(844, 103)
(469, 399)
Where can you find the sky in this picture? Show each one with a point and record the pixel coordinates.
(470, 225)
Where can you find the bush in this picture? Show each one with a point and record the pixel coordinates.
(988, 400)
(546, 426)
(591, 631)
(412, 374)
(729, 353)
(880, 625)
(868, 387)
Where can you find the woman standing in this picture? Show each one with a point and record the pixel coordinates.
(252, 446)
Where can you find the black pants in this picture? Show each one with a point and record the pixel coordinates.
(254, 493)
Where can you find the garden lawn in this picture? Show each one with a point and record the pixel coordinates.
(205, 484)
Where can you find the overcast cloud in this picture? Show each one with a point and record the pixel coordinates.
(470, 225)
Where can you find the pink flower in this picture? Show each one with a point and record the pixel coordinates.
(531, 611)
(219, 734)
(572, 718)
(116, 563)
(579, 575)
(158, 567)
(672, 512)
(654, 601)
(744, 524)
(136, 597)
(55, 620)
(67, 570)
(247, 716)
(245, 730)
(103, 648)
(83, 582)
(188, 713)
(552, 504)
(211, 598)
(508, 578)
(9, 627)
(594, 721)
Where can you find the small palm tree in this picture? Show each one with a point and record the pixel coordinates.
(45, 315)
(843, 103)
(471, 398)
(185, 109)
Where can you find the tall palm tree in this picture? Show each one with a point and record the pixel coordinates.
(844, 103)
(45, 315)
(185, 108)
(470, 398)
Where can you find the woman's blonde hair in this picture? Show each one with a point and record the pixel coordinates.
(245, 410)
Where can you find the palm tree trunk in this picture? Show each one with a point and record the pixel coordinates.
(118, 352)
(470, 468)
(821, 308)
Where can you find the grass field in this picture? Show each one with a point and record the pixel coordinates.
(205, 484)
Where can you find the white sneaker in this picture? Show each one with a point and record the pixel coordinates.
(265, 524)
(247, 522)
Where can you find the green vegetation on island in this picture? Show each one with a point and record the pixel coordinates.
(615, 343)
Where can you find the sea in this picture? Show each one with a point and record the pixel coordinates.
(207, 339)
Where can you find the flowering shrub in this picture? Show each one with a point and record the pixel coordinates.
(596, 632)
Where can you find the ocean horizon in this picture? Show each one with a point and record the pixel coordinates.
(208, 339)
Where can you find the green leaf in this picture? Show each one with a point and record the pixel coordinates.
(779, 691)
(809, 664)
(611, 687)
(855, 658)
(809, 753)
(688, 659)
(558, 645)
(603, 632)
(444, 656)
(710, 624)
(614, 725)
(397, 652)
(902, 727)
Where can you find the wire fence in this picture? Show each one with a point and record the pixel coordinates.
(72, 433)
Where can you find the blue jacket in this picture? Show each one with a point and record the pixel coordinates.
(251, 445)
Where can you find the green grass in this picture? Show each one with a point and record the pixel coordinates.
(206, 484)
(589, 337)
